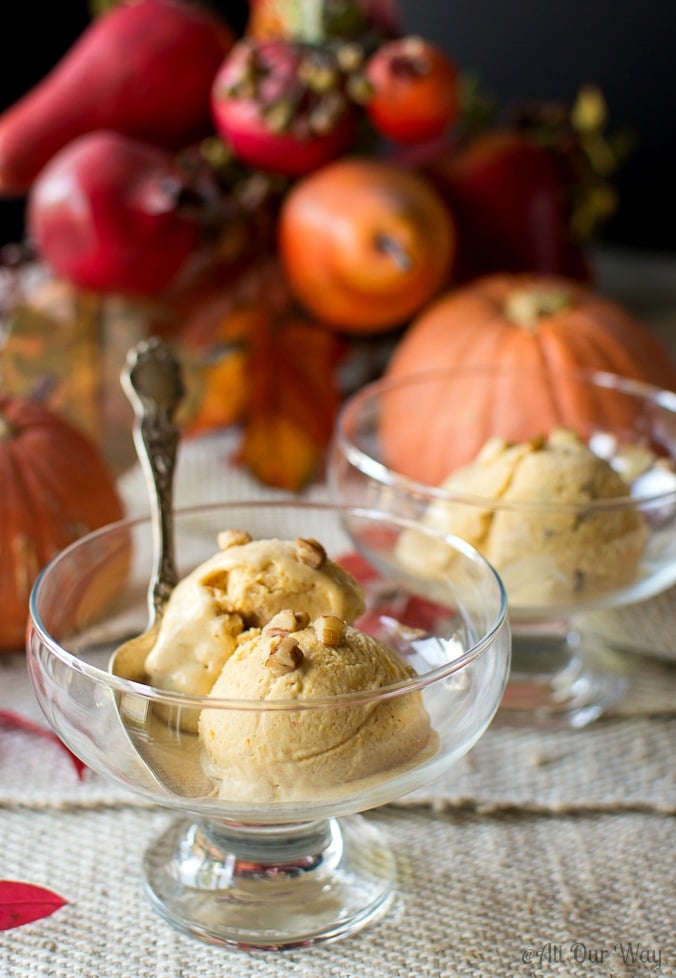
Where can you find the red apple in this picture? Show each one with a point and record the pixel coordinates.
(105, 214)
(508, 200)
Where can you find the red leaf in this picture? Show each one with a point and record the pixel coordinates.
(21, 903)
(412, 611)
(14, 721)
(358, 566)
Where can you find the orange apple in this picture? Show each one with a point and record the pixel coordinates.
(365, 243)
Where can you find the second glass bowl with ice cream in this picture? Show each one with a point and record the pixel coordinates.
(565, 481)
(299, 676)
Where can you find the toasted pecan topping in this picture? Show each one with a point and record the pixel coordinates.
(329, 629)
(285, 655)
(233, 538)
(310, 552)
(283, 622)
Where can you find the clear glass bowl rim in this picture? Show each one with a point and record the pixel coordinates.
(338, 701)
(382, 474)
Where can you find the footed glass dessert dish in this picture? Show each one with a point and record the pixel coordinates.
(566, 482)
(298, 676)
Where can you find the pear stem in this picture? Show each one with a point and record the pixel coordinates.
(396, 251)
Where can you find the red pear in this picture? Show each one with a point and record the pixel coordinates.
(144, 68)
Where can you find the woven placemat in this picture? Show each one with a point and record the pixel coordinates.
(477, 897)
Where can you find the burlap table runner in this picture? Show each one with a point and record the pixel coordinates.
(477, 897)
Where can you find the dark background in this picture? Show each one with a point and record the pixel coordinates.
(521, 49)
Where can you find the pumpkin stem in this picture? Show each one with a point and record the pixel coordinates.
(390, 246)
(526, 306)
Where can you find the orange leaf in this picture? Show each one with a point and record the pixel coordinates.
(279, 452)
(217, 394)
(253, 360)
(293, 401)
(268, 19)
(217, 377)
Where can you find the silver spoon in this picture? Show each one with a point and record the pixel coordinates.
(153, 383)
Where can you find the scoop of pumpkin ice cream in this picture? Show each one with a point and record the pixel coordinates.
(546, 554)
(292, 754)
(241, 587)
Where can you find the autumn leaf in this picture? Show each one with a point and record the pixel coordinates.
(217, 384)
(219, 321)
(278, 452)
(264, 366)
(22, 903)
(293, 400)
(272, 18)
(357, 565)
(15, 721)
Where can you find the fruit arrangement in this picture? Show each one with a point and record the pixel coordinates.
(278, 198)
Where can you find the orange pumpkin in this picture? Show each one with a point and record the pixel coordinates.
(526, 322)
(54, 486)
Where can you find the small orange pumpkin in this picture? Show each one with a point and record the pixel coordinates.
(528, 322)
(55, 486)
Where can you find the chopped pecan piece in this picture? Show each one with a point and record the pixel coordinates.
(310, 552)
(283, 622)
(329, 629)
(233, 538)
(285, 656)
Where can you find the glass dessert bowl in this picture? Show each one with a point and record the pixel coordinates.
(565, 482)
(300, 677)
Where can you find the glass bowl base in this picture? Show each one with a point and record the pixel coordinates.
(562, 680)
(270, 887)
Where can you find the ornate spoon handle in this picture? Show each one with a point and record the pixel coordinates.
(153, 383)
